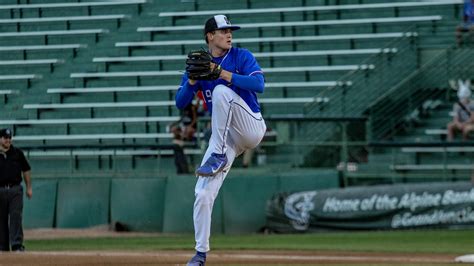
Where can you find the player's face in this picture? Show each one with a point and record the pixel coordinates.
(222, 39)
(5, 143)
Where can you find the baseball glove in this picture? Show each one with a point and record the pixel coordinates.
(199, 67)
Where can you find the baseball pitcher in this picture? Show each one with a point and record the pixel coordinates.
(229, 79)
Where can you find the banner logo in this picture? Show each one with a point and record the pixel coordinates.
(298, 207)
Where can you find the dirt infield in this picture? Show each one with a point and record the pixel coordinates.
(98, 231)
(217, 258)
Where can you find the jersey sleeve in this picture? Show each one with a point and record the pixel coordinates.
(250, 76)
(248, 64)
(185, 93)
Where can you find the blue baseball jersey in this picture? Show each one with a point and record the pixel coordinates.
(239, 61)
(469, 11)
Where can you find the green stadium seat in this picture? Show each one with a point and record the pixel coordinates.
(421, 167)
(179, 73)
(41, 47)
(19, 23)
(24, 63)
(109, 152)
(90, 120)
(175, 87)
(265, 59)
(435, 131)
(25, 51)
(59, 6)
(348, 37)
(46, 36)
(155, 103)
(113, 89)
(98, 105)
(4, 94)
(94, 137)
(321, 8)
(26, 77)
(367, 23)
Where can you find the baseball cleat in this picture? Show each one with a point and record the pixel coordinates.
(197, 261)
(214, 165)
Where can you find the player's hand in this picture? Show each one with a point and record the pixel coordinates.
(226, 75)
(29, 192)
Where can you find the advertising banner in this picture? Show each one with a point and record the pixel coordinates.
(422, 205)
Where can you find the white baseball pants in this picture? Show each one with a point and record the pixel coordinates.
(235, 128)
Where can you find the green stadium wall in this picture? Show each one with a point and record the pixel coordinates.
(162, 204)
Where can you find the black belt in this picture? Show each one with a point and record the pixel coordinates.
(8, 185)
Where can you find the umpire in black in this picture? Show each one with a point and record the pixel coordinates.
(13, 165)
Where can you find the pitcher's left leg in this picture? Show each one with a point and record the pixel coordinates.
(206, 191)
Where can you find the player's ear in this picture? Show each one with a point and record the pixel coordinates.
(210, 35)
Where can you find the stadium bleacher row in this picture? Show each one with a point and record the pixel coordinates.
(105, 73)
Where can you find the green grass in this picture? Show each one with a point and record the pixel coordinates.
(426, 241)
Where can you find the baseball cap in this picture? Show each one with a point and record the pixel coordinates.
(218, 22)
(5, 133)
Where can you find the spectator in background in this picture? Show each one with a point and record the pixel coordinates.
(188, 122)
(184, 131)
(463, 113)
(468, 22)
(13, 165)
(247, 158)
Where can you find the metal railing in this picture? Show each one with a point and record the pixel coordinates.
(388, 113)
(358, 88)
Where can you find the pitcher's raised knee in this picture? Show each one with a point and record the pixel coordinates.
(221, 92)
